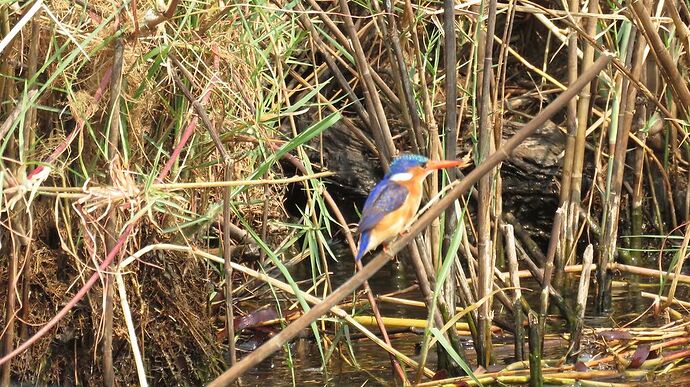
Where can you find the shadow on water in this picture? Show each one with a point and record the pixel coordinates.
(371, 366)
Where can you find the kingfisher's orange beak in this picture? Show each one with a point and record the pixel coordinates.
(441, 164)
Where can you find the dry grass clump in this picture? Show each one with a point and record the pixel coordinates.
(169, 293)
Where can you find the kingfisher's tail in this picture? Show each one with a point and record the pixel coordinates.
(363, 245)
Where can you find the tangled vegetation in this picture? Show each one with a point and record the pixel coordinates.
(168, 167)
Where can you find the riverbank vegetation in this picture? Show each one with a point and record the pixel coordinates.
(181, 183)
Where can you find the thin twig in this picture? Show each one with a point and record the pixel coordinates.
(485, 243)
(113, 222)
(583, 289)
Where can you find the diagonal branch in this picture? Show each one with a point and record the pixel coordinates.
(276, 343)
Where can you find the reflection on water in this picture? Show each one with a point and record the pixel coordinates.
(371, 366)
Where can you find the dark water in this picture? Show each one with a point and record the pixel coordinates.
(370, 365)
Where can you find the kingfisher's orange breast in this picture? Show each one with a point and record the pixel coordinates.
(398, 220)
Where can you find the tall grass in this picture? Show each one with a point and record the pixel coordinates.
(147, 150)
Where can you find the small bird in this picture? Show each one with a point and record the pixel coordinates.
(395, 200)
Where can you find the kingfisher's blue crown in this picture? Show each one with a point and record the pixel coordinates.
(403, 163)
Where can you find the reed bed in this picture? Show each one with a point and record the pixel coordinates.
(171, 170)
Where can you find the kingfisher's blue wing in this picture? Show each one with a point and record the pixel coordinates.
(386, 197)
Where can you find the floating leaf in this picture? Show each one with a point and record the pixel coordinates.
(255, 318)
(581, 367)
(641, 354)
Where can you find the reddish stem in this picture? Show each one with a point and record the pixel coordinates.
(121, 240)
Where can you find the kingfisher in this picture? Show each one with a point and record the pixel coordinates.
(394, 201)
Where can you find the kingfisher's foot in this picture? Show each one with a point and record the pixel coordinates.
(389, 253)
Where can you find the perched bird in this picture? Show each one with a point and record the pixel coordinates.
(395, 200)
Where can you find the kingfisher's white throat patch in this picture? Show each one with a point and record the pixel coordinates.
(401, 177)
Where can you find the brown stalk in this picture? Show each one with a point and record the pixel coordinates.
(32, 66)
(503, 64)
(448, 297)
(425, 272)
(376, 263)
(485, 244)
(498, 116)
(682, 256)
(498, 283)
(469, 294)
(430, 123)
(343, 40)
(189, 130)
(200, 110)
(17, 226)
(401, 71)
(548, 271)
(264, 221)
(227, 265)
(684, 8)
(335, 70)
(5, 66)
(518, 315)
(618, 267)
(658, 218)
(580, 137)
(538, 275)
(17, 234)
(377, 117)
(687, 198)
(536, 378)
(612, 206)
(663, 57)
(228, 249)
(667, 187)
(636, 210)
(451, 90)
(636, 215)
(671, 113)
(568, 236)
(443, 307)
(651, 97)
(682, 30)
(583, 289)
(94, 13)
(530, 253)
(113, 222)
